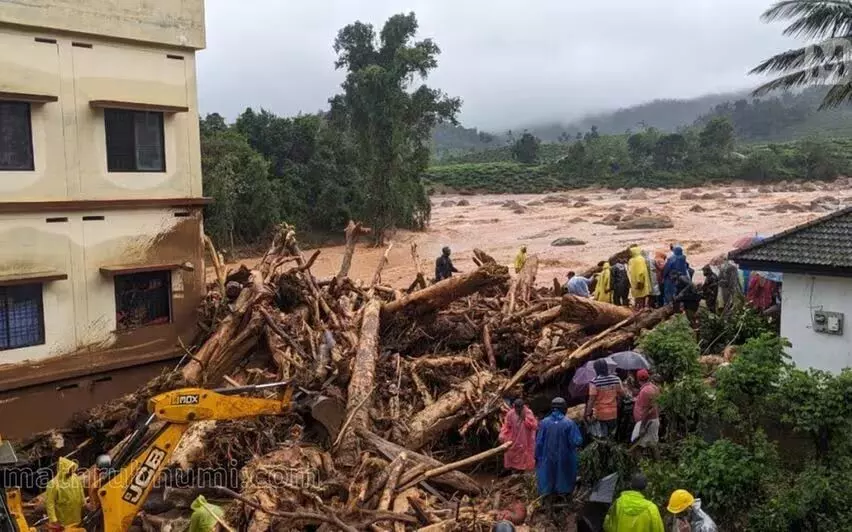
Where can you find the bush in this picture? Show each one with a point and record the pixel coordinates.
(686, 406)
(672, 348)
(603, 457)
(717, 331)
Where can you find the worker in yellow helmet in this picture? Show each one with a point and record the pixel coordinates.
(689, 517)
(64, 498)
(520, 259)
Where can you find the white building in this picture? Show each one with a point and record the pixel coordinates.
(816, 260)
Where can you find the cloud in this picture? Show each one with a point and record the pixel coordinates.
(511, 62)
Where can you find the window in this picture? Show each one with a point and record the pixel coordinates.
(142, 299)
(21, 316)
(134, 141)
(16, 138)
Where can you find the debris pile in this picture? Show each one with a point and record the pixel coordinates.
(397, 392)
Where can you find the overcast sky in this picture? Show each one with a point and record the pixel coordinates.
(513, 62)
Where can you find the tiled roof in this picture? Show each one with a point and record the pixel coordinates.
(824, 242)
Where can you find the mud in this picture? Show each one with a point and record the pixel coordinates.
(735, 211)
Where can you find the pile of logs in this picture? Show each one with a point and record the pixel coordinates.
(399, 391)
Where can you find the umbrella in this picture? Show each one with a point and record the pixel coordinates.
(585, 374)
(629, 361)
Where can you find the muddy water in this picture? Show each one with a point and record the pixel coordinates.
(735, 211)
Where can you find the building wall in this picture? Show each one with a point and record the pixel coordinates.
(69, 140)
(803, 294)
(171, 22)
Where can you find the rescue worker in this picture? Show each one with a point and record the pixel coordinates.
(520, 259)
(603, 288)
(710, 288)
(654, 296)
(94, 477)
(204, 515)
(556, 452)
(640, 282)
(519, 427)
(675, 263)
(620, 284)
(444, 268)
(577, 285)
(689, 517)
(632, 512)
(64, 498)
(687, 295)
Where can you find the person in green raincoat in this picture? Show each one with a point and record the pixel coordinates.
(64, 498)
(632, 512)
(202, 519)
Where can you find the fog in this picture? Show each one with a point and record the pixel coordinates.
(512, 63)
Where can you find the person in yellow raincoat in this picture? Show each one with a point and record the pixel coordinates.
(520, 259)
(603, 289)
(64, 498)
(202, 519)
(640, 283)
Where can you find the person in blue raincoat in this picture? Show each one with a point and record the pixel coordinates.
(676, 262)
(556, 451)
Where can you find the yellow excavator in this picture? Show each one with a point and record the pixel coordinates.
(136, 469)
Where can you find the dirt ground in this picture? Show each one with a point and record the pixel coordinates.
(500, 224)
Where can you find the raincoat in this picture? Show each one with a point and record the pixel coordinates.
(698, 519)
(677, 262)
(64, 498)
(632, 512)
(729, 284)
(520, 260)
(202, 520)
(652, 273)
(521, 455)
(637, 268)
(556, 454)
(603, 290)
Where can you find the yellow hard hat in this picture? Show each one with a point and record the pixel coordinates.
(680, 501)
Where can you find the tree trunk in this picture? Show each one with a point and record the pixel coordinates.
(453, 480)
(591, 313)
(526, 278)
(441, 294)
(362, 384)
(352, 231)
(430, 423)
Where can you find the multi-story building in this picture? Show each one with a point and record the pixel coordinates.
(101, 250)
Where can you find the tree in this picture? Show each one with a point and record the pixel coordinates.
(670, 151)
(717, 139)
(390, 120)
(526, 148)
(825, 62)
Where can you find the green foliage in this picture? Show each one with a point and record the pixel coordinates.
(718, 331)
(817, 403)
(390, 120)
(686, 405)
(525, 150)
(604, 457)
(716, 139)
(672, 348)
(506, 178)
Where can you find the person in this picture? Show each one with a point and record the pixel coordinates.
(444, 268)
(710, 288)
(632, 512)
(64, 498)
(520, 259)
(519, 427)
(646, 414)
(761, 292)
(689, 517)
(654, 296)
(603, 289)
(640, 282)
(620, 284)
(602, 405)
(556, 452)
(94, 477)
(729, 285)
(503, 526)
(204, 515)
(577, 285)
(687, 295)
(675, 263)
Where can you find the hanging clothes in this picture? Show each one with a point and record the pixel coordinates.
(521, 432)
(556, 454)
(603, 289)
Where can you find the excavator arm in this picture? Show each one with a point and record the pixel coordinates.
(125, 491)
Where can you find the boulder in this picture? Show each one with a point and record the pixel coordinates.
(786, 206)
(577, 220)
(610, 219)
(448, 203)
(713, 195)
(581, 204)
(641, 211)
(697, 208)
(512, 205)
(463, 203)
(764, 190)
(567, 241)
(647, 222)
(808, 187)
(535, 203)
(638, 194)
(558, 198)
(688, 195)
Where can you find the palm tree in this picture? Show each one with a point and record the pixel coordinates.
(828, 61)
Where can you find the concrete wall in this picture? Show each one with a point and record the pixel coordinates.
(170, 22)
(69, 142)
(79, 313)
(803, 294)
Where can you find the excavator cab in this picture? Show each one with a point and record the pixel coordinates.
(11, 509)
